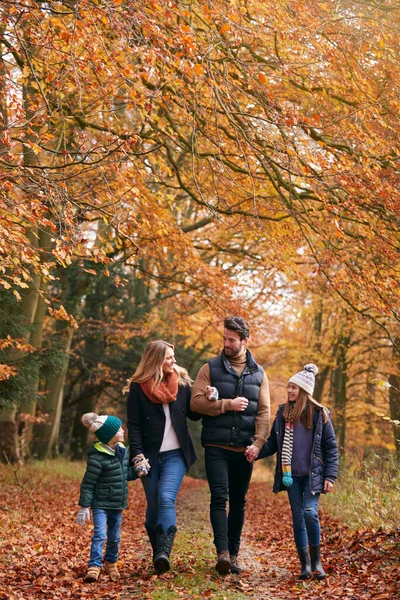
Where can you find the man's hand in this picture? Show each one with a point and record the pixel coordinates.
(239, 404)
(328, 486)
(83, 516)
(212, 393)
(251, 452)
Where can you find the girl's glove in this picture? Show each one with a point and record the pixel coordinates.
(141, 465)
(83, 516)
(212, 393)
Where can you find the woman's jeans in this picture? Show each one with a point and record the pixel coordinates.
(107, 527)
(304, 507)
(161, 488)
(228, 475)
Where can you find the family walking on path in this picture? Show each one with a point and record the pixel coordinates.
(231, 396)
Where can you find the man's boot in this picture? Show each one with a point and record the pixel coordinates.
(235, 567)
(164, 543)
(316, 566)
(152, 537)
(223, 562)
(305, 563)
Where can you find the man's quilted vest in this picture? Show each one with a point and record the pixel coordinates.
(233, 428)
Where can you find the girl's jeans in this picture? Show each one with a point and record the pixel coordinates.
(304, 507)
(161, 488)
(107, 527)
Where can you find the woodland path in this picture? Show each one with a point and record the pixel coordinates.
(43, 553)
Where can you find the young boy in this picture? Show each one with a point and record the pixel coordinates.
(104, 489)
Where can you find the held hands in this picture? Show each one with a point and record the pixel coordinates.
(239, 404)
(251, 452)
(83, 516)
(212, 393)
(141, 465)
(328, 486)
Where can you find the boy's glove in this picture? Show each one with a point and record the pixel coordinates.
(141, 465)
(83, 516)
(212, 393)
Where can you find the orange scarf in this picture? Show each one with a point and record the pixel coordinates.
(164, 392)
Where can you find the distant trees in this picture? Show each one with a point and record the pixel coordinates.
(165, 164)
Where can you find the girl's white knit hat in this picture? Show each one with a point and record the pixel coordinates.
(305, 379)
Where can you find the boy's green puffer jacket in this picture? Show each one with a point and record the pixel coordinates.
(105, 483)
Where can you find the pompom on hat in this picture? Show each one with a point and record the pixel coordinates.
(305, 379)
(104, 427)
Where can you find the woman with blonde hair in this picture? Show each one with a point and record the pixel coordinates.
(161, 446)
(303, 437)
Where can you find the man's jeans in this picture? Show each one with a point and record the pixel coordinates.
(107, 526)
(228, 475)
(162, 486)
(304, 507)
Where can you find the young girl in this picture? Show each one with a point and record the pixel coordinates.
(104, 489)
(302, 435)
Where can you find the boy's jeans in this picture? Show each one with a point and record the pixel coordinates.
(107, 526)
(304, 507)
(161, 488)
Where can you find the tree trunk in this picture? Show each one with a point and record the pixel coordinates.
(339, 381)
(9, 450)
(394, 394)
(45, 435)
(320, 384)
(80, 434)
(27, 409)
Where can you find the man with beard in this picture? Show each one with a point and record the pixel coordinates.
(232, 393)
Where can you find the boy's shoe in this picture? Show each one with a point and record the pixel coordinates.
(93, 574)
(224, 562)
(112, 570)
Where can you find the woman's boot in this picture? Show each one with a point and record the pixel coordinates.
(164, 543)
(151, 532)
(305, 563)
(316, 566)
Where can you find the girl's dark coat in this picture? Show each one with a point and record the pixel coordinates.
(324, 461)
(146, 423)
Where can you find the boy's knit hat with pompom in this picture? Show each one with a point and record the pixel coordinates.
(305, 379)
(103, 426)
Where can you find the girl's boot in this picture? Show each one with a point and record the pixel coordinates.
(305, 563)
(316, 566)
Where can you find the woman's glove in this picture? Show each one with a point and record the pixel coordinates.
(83, 516)
(141, 465)
(212, 393)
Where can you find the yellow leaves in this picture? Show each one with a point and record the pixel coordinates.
(262, 78)
(6, 372)
(226, 27)
(61, 315)
(382, 384)
(382, 43)
(198, 69)
(29, 144)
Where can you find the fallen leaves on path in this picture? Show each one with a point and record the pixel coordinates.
(43, 555)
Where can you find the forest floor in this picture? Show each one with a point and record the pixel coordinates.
(43, 553)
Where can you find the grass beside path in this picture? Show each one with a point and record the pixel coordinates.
(43, 553)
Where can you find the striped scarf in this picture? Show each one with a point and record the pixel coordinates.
(287, 450)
